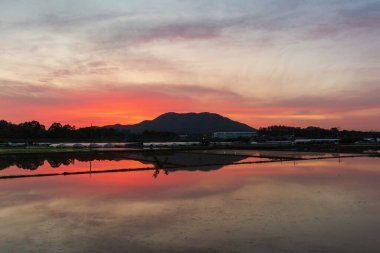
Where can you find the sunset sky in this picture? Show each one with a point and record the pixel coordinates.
(261, 62)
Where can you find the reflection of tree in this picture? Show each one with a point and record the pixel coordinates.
(5, 164)
(33, 162)
(22, 162)
(160, 166)
(163, 161)
(29, 164)
(57, 162)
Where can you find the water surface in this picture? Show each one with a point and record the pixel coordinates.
(328, 205)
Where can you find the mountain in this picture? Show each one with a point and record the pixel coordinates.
(187, 123)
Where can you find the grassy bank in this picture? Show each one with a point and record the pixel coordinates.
(355, 149)
(38, 150)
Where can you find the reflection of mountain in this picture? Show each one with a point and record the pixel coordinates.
(188, 161)
(168, 160)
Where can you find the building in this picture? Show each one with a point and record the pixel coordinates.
(233, 135)
(316, 141)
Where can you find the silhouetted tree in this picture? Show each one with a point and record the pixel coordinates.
(33, 130)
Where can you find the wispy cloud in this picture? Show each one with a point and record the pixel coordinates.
(261, 61)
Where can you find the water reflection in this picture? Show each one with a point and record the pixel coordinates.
(94, 162)
(33, 163)
(273, 154)
(317, 206)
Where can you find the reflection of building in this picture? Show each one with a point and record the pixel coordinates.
(233, 135)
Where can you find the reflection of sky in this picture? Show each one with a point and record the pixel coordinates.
(76, 166)
(57, 164)
(322, 204)
(261, 62)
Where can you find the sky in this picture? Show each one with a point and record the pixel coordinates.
(261, 62)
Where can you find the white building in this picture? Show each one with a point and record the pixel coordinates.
(233, 135)
(317, 141)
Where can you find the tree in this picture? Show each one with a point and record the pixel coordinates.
(32, 129)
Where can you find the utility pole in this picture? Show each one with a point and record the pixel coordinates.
(91, 137)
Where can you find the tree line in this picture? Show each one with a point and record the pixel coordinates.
(313, 132)
(33, 130)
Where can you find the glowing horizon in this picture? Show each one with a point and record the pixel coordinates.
(259, 62)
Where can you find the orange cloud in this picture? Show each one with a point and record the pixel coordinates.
(132, 104)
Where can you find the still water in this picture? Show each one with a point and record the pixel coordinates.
(330, 205)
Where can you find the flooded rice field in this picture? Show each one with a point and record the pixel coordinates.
(274, 154)
(212, 201)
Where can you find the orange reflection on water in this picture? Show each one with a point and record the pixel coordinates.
(77, 166)
(303, 205)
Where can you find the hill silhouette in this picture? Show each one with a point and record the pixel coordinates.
(187, 123)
